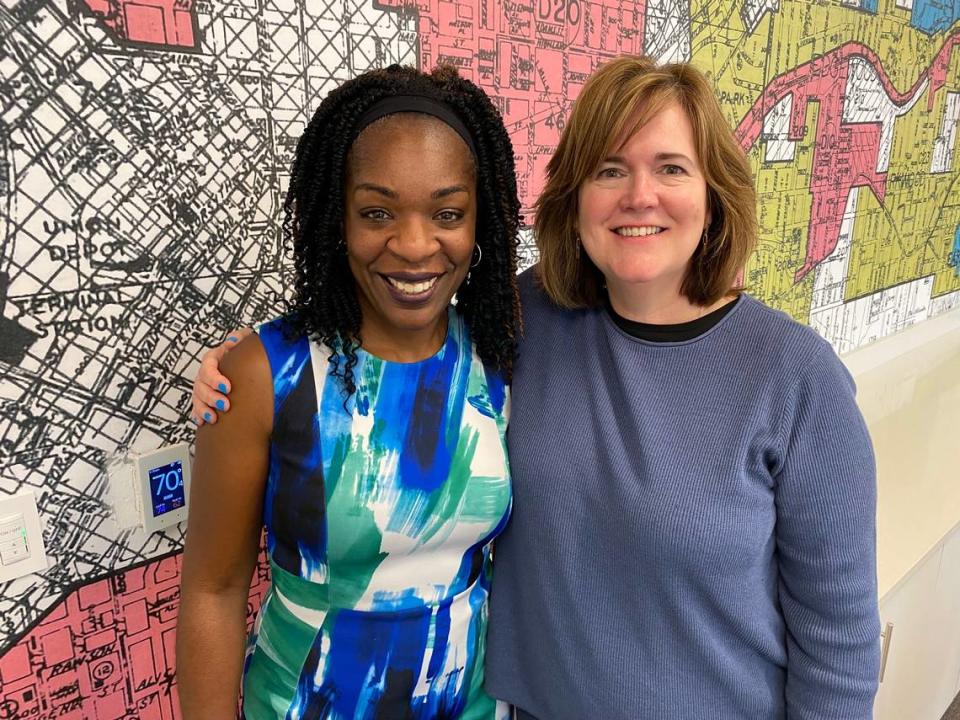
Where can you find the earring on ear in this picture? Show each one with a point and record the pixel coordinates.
(479, 256)
(577, 243)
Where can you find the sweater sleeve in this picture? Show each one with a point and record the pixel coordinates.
(826, 547)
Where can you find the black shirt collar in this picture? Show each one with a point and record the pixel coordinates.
(669, 333)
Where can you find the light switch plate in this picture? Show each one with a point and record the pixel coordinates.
(24, 505)
(123, 490)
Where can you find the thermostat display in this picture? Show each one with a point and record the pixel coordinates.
(166, 488)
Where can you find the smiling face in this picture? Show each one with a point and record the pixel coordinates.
(643, 211)
(409, 223)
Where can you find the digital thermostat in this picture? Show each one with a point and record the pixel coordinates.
(164, 483)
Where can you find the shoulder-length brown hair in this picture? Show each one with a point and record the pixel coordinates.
(633, 90)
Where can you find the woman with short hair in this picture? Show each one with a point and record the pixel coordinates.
(694, 488)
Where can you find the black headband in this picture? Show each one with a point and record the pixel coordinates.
(417, 104)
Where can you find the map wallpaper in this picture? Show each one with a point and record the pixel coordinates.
(144, 152)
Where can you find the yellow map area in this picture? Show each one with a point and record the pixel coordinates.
(906, 238)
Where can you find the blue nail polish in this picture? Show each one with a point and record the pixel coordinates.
(207, 416)
(222, 388)
(233, 338)
(221, 406)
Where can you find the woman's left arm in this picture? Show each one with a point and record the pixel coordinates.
(826, 547)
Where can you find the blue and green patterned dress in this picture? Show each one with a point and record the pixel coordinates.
(379, 519)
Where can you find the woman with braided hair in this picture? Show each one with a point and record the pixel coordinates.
(368, 425)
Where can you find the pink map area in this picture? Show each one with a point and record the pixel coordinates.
(531, 58)
(106, 651)
(152, 22)
(845, 154)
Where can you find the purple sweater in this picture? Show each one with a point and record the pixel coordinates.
(693, 533)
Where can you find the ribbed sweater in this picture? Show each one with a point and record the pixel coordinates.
(693, 532)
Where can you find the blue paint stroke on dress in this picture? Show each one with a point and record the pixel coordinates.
(294, 502)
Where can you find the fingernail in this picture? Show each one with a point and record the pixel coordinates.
(207, 416)
(222, 387)
(196, 420)
(233, 338)
(221, 406)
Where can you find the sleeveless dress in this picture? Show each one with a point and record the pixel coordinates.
(379, 515)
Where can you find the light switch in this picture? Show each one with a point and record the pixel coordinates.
(21, 537)
(8, 556)
(13, 539)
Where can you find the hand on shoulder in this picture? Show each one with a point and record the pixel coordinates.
(251, 396)
(211, 387)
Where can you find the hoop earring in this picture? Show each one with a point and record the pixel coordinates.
(479, 256)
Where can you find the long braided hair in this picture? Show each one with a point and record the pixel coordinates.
(325, 304)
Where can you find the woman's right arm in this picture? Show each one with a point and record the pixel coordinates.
(223, 539)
